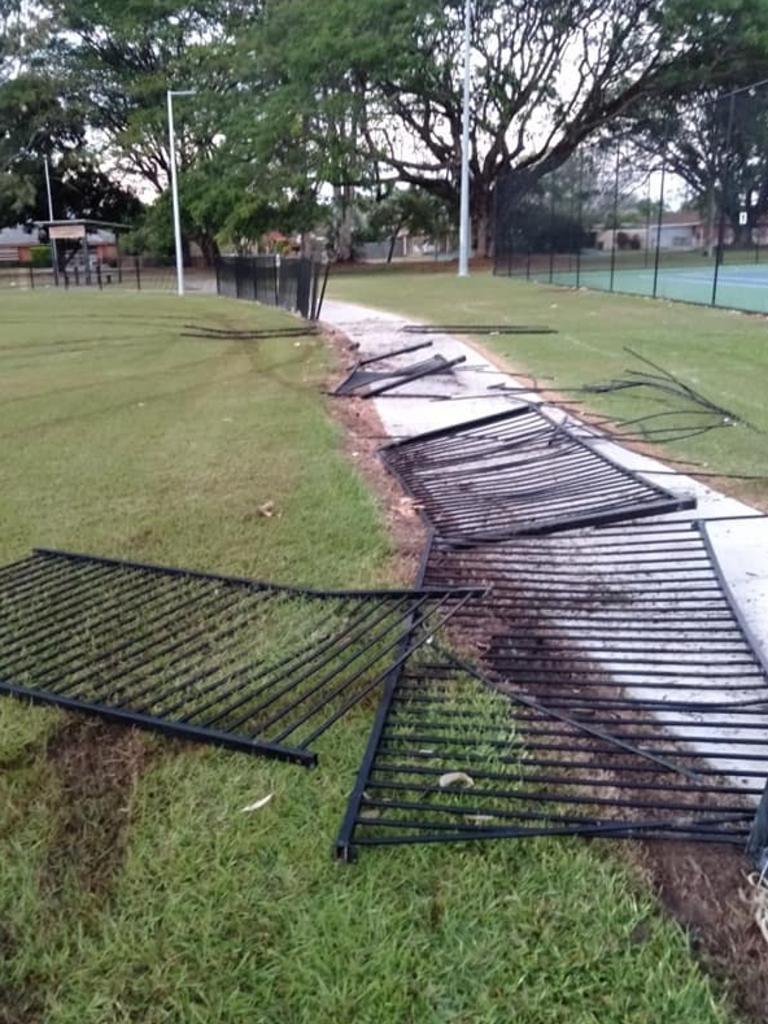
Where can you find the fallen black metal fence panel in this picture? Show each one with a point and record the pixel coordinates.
(265, 334)
(518, 472)
(476, 329)
(395, 352)
(249, 665)
(365, 383)
(630, 701)
(440, 365)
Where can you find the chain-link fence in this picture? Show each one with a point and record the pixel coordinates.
(674, 205)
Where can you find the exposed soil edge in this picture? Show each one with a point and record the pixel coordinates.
(363, 434)
(97, 766)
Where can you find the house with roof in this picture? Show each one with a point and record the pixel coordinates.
(683, 230)
(16, 243)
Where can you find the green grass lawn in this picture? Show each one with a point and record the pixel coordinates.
(722, 354)
(132, 887)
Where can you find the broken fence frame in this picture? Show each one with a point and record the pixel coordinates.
(96, 635)
(360, 377)
(510, 495)
(691, 806)
(476, 329)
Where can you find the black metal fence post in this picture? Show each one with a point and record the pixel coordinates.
(615, 215)
(319, 308)
(647, 246)
(659, 218)
(724, 186)
(315, 270)
(551, 231)
(579, 229)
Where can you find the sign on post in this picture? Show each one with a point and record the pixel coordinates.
(57, 232)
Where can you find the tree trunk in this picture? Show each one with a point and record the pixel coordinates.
(711, 222)
(482, 242)
(393, 242)
(209, 248)
(345, 200)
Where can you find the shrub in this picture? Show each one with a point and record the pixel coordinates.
(40, 255)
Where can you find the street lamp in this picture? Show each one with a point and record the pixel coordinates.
(175, 187)
(54, 251)
(464, 205)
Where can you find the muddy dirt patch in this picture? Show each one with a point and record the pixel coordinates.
(706, 890)
(97, 768)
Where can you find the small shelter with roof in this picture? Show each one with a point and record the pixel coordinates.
(83, 245)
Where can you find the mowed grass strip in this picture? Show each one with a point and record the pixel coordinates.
(133, 887)
(720, 353)
(122, 437)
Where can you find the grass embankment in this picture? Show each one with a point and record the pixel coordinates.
(722, 354)
(132, 888)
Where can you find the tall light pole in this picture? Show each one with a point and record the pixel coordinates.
(464, 206)
(175, 188)
(54, 252)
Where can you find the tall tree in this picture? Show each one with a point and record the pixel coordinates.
(116, 60)
(716, 141)
(547, 74)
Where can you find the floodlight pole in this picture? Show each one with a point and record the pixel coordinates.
(54, 252)
(175, 188)
(464, 205)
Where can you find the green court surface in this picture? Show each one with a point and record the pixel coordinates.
(741, 286)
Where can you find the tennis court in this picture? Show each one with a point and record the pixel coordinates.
(739, 286)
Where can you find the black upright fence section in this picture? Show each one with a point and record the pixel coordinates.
(294, 283)
(126, 271)
(673, 204)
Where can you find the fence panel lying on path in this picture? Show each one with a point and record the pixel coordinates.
(518, 472)
(240, 663)
(363, 382)
(620, 695)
